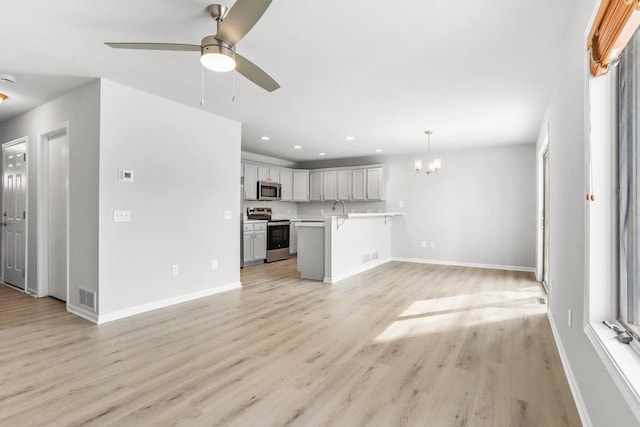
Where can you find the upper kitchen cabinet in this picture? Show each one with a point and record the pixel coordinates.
(330, 185)
(359, 177)
(315, 186)
(344, 184)
(300, 186)
(376, 184)
(286, 180)
(250, 179)
(268, 173)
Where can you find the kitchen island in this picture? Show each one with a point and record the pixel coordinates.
(352, 243)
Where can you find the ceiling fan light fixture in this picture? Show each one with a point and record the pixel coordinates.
(3, 97)
(217, 57)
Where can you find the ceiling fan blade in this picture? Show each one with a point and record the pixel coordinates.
(156, 46)
(240, 19)
(255, 73)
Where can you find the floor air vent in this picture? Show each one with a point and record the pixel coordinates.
(87, 299)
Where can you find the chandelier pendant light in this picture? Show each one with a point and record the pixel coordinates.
(434, 165)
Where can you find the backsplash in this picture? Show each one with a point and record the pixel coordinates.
(318, 208)
(312, 209)
(280, 209)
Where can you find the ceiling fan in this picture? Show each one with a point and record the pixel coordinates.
(218, 52)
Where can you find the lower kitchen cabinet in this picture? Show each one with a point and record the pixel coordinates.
(255, 242)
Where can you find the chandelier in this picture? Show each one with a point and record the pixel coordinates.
(434, 165)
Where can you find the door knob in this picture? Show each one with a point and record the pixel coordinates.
(3, 224)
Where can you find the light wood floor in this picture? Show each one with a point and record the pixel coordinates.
(403, 344)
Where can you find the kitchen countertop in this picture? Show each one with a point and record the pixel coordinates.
(309, 224)
(365, 215)
(254, 221)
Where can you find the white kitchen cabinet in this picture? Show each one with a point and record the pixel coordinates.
(247, 247)
(315, 185)
(359, 184)
(375, 184)
(344, 184)
(260, 245)
(330, 185)
(286, 179)
(254, 242)
(250, 179)
(268, 173)
(300, 186)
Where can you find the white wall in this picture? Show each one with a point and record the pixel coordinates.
(81, 109)
(186, 165)
(566, 117)
(349, 240)
(479, 209)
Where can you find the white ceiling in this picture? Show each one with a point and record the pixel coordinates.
(476, 72)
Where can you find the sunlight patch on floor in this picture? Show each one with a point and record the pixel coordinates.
(446, 314)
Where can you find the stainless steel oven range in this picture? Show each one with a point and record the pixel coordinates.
(277, 233)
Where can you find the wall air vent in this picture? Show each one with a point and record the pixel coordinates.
(87, 299)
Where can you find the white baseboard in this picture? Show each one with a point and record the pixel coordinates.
(465, 264)
(573, 385)
(361, 269)
(81, 312)
(131, 311)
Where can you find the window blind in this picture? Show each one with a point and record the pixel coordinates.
(615, 23)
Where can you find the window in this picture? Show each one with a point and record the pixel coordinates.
(629, 186)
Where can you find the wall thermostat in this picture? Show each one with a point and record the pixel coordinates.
(125, 176)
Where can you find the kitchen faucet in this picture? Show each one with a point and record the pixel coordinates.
(344, 207)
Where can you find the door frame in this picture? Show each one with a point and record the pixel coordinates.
(43, 208)
(25, 140)
(546, 232)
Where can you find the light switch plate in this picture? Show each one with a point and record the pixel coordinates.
(401, 204)
(121, 216)
(214, 264)
(227, 215)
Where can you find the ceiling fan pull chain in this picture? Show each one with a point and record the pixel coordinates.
(202, 87)
(233, 98)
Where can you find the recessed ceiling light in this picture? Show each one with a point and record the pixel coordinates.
(297, 147)
(322, 154)
(2, 97)
(378, 150)
(265, 138)
(349, 138)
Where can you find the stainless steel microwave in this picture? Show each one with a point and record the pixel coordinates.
(268, 190)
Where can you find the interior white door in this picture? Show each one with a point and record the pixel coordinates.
(14, 213)
(58, 196)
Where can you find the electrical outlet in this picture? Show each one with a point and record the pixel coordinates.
(227, 215)
(569, 318)
(423, 244)
(401, 204)
(432, 245)
(175, 270)
(214, 264)
(121, 216)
